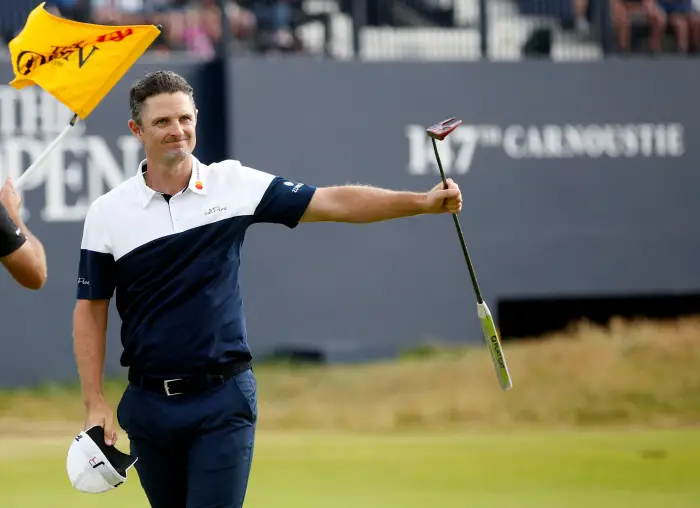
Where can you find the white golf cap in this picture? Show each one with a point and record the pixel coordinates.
(93, 467)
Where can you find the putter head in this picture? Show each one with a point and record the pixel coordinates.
(441, 130)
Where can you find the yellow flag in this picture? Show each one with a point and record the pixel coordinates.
(77, 63)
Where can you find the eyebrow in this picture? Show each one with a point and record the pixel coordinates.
(158, 119)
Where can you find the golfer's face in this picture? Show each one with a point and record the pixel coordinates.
(169, 126)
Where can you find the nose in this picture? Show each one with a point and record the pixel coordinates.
(176, 130)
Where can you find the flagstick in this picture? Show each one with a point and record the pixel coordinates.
(45, 153)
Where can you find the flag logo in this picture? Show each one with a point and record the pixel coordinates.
(29, 61)
(78, 63)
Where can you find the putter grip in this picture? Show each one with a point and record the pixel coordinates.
(494, 344)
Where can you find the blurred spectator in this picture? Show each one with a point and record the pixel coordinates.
(587, 12)
(274, 20)
(657, 18)
(77, 10)
(582, 13)
(677, 14)
(650, 21)
(695, 31)
(647, 15)
(195, 25)
(117, 12)
(619, 15)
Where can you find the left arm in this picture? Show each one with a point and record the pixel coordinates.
(362, 204)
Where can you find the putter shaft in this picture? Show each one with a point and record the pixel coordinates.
(477, 291)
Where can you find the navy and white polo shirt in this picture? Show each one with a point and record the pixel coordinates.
(174, 263)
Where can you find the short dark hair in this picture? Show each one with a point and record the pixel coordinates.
(155, 83)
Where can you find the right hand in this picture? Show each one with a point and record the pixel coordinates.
(101, 414)
(10, 198)
(442, 200)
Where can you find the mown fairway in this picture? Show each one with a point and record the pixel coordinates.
(509, 470)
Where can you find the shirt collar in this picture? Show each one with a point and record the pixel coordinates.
(196, 179)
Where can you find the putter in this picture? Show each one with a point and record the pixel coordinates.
(438, 132)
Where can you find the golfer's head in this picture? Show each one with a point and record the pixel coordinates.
(163, 116)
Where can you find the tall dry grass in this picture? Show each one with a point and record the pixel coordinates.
(631, 373)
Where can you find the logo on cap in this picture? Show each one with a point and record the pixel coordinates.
(95, 464)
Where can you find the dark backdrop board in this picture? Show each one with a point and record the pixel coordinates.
(36, 338)
(578, 180)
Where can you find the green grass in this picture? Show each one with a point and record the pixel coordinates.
(597, 418)
(640, 469)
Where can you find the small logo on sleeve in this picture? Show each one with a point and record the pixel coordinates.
(296, 186)
(84, 282)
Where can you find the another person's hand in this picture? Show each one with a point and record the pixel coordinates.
(101, 414)
(441, 200)
(10, 198)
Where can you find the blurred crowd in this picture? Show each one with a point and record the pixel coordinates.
(654, 26)
(258, 26)
(196, 26)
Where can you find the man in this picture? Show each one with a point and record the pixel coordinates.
(168, 240)
(21, 253)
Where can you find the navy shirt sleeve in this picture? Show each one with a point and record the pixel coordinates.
(97, 268)
(11, 238)
(284, 202)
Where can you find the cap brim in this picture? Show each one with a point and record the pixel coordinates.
(120, 461)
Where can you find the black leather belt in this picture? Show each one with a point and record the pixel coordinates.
(190, 384)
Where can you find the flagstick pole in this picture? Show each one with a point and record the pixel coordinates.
(45, 153)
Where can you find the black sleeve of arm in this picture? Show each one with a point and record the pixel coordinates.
(11, 238)
(284, 202)
(97, 268)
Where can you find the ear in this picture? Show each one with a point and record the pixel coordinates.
(136, 130)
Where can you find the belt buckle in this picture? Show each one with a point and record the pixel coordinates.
(166, 385)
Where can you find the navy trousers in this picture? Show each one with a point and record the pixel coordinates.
(194, 451)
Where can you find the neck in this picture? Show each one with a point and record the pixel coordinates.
(168, 179)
